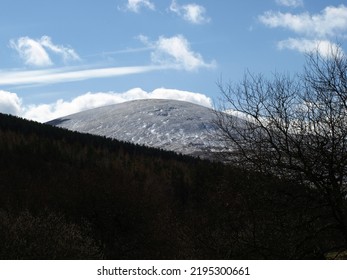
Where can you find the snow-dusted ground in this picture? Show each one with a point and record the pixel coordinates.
(167, 124)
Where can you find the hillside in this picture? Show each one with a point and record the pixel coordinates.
(66, 195)
(171, 125)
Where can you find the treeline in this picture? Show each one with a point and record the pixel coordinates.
(66, 195)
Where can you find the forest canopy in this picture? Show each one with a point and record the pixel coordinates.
(65, 195)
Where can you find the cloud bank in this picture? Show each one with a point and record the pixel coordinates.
(10, 103)
(332, 21)
(316, 30)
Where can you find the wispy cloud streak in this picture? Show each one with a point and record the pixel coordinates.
(62, 75)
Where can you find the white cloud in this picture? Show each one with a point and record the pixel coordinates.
(290, 3)
(35, 52)
(175, 51)
(60, 108)
(332, 22)
(31, 51)
(316, 30)
(192, 13)
(68, 54)
(10, 103)
(63, 75)
(136, 5)
(324, 47)
(167, 53)
(193, 97)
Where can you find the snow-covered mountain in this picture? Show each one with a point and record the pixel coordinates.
(172, 125)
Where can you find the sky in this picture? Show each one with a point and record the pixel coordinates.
(66, 56)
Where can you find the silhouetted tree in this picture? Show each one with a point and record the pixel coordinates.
(293, 127)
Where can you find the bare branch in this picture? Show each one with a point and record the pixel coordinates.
(293, 127)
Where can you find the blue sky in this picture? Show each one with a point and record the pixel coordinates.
(60, 57)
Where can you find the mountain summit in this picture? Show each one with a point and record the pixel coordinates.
(172, 125)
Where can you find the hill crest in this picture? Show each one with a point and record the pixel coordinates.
(173, 125)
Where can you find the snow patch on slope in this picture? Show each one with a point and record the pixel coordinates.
(167, 124)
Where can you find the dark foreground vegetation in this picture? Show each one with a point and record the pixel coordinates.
(65, 195)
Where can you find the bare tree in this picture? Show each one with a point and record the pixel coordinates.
(293, 127)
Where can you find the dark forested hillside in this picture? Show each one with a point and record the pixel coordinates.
(65, 195)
